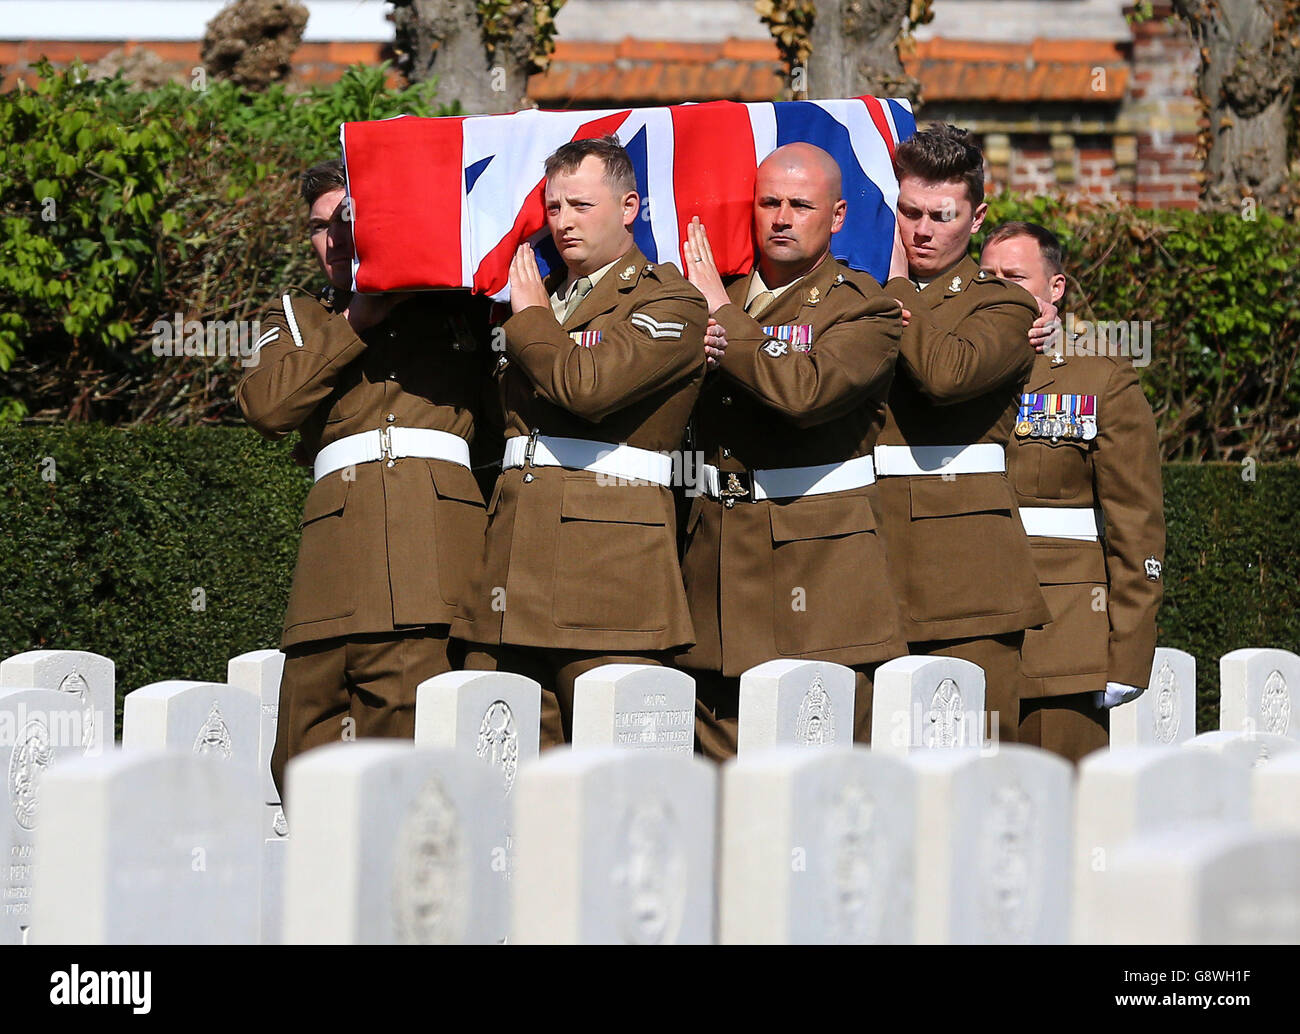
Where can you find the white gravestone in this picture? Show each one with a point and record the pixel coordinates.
(494, 715)
(614, 847)
(394, 844)
(1134, 791)
(790, 701)
(816, 848)
(924, 703)
(260, 672)
(1208, 884)
(1275, 793)
(38, 727)
(1245, 748)
(1259, 691)
(634, 705)
(148, 847)
(992, 846)
(90, 677)
(211, 719)
(1166, 712)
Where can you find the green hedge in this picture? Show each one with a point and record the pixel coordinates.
(107, 555)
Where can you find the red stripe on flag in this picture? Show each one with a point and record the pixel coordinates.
(494, 271)
(402, 176)
(881, 121)
(713, 177)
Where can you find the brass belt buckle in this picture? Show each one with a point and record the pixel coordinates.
(531, 447)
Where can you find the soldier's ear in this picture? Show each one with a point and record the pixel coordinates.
(631, 207)
(978, 220)
(1057, 287)
(837, 215)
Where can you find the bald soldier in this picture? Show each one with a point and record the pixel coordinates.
(1085, 464)
(603, 363)
(782, 557)
(958, 556)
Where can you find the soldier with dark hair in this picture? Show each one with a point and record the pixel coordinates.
(603, 363)
(384, 391)
(1085, 464)
(958, 556)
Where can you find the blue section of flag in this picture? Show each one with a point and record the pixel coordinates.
(475, 171)
(642, 231)
(904, 122)
(867, 238)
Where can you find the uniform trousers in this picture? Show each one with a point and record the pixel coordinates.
(717, 708)
(355, 686)
(1071, 725)
(555, 671)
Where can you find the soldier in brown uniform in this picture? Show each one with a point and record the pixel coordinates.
(958, 557)
(602, 366)
(383, 391)
(782, 556)
(1084, 445)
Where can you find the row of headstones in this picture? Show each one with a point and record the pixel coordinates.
(395, 843)
(781, 702)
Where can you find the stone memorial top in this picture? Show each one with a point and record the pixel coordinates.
(1166, 712)
(927, 703)
(210, 719)
(260, 672)
(88, 676)
(1275, 793)
(1245, 748)
(639, 706)
(792, 701)
(1259, 691)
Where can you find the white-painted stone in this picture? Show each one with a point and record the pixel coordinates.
(87, 675)
(636, 706)
(1134, 791)
(792, 701)
(817, 847)
(394, 844)
(1275, 793)
(923, 703)
(992, 846)
(1259, 691)
(1206, 884)
(38, 727)
(614, 847)
(148, 847)
(211, 719)
(1249, 749)
(1166, 712)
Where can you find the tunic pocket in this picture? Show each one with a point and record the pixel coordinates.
(322, 589)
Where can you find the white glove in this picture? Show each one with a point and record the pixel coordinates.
(1117, 693)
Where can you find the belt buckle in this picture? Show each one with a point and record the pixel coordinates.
(735, 485)
(531, 447)
(386, 450)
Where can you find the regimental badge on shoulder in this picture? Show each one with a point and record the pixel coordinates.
(839, 278)
(585, 338)
(1153, 568)
(955, 285)
(627, 273)
(799, 335)
(814, 296)
(776, 349)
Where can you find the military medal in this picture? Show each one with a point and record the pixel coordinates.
(1088, 417)
(1023, 427)
(798, 334)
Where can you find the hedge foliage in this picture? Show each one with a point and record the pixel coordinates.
(109, 533)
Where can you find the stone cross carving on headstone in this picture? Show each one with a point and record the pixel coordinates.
(926, 703)
(1166, 712)
(992, 846)
(614, 847)
(1259, 691)
(817, 847)
(793, 701)
(637, 706)
(38, 727)
(394, 844)
(148, 847)
(87, 676)
(1133, 791)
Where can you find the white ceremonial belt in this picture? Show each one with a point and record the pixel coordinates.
(391, 443)
(792, 482)
(984, 458)
(625, 462)
(1060, 522)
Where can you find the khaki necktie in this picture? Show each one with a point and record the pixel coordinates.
(578, 292)
(759, 305)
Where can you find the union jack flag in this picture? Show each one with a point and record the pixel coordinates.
(445, 202)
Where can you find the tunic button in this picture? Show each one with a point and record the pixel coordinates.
(390, 418)
(392, 334)
(726, 454)
(392, 463)
(392, 375)
(726, 400)
(527, 478)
